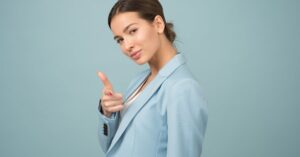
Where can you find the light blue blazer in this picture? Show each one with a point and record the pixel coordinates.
(168, 118)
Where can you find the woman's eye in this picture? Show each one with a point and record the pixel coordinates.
(119, 41)
(132, 31)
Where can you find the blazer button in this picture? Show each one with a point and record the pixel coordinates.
(105, 130)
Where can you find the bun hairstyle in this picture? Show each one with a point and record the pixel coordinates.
(147, 10)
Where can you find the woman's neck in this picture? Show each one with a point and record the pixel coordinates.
(161, 57)
(157, 62)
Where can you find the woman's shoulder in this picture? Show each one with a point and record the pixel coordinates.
(180, 74)
(181, 78)
(182, 84)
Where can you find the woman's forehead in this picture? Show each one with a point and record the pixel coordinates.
(121, 20)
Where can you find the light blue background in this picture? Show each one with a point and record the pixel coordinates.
(245, 54)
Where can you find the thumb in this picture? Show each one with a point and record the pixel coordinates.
(105, 81)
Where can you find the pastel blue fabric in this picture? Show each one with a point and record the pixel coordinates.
(168, 119)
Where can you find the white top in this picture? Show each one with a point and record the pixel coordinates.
(132, 97)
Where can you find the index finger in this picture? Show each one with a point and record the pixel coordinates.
(105, 81)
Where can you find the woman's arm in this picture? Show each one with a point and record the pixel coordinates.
(107, 128)
(186, 118)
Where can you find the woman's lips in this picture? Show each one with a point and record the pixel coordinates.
(136, 55)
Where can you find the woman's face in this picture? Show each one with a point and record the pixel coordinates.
(138, 38)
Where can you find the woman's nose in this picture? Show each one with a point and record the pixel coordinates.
(128, 45)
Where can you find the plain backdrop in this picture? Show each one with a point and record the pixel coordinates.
(245, 54)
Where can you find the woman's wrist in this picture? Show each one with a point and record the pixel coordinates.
(105, 113)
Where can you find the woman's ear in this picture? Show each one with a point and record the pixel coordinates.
(159, 24)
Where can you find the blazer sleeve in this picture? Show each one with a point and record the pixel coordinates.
(107, 128)
(186, 119)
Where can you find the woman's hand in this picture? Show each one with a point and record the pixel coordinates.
(110, 100)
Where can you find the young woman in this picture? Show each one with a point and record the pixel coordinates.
(163, 113)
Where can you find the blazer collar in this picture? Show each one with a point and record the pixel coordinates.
(145, 95)
(173, 64)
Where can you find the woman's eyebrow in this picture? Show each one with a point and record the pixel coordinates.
(124, 30)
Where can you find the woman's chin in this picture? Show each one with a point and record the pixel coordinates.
(139, 61)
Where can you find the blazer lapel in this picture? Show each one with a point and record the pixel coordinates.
(152, 87)
(138, 81)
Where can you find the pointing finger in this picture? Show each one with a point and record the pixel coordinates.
(105, 81)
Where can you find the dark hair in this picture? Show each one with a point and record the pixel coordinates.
(147, 9)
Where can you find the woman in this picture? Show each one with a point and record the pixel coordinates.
(164, 112)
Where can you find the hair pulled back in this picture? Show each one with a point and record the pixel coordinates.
(146, 9)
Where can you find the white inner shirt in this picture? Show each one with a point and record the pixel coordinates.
(131, 98)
